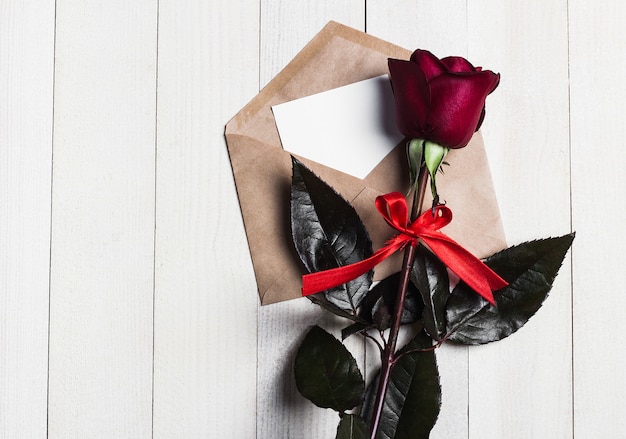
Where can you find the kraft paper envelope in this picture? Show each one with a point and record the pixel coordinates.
(339, 56)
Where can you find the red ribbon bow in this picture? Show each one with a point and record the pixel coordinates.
(426, 227)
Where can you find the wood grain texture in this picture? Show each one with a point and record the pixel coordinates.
(102, 251)
(287, 26)
(128, 306)
(440, 27)
(597, 70)
(26, 84)
(521, 387)
(205, 294)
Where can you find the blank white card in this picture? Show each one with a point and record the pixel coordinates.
(350, 128)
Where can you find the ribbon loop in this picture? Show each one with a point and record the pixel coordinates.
(394, 210)
(441, 217)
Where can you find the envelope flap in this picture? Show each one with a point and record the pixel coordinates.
(336, 56)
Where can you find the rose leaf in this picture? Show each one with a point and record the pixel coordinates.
(326, 373)
(530, 269)
(413, 398)
(378, 305)
(352, 427)
(430, 277)
(328, 233)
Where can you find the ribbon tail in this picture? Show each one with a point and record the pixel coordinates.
(466, 266)
(317, 282)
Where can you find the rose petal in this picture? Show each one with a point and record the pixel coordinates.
(412, 96)
(480, 119)
(458, 64)
(429, 63)
(457, 104)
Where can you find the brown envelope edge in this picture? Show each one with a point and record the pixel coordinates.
(337, 56)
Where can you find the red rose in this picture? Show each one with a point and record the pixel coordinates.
(440, 100)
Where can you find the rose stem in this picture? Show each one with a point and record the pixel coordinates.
(388, 355)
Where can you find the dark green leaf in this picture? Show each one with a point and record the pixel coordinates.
(430, 277)
(354, 328)
(320, 300)
(328, 233)
(377, 307)
(326, 373)
(385, 294)
(352, 427)
(413, 398)
(530, 268)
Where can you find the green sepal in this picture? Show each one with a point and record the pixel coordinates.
(433, 158)
(415, 157)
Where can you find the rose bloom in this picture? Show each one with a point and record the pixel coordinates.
(441, 100)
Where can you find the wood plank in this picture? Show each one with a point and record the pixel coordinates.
(597, 69)
(205, 295)
(282, 411)
(26, 84)
(286, 27)
(521, 386)
(102, 255)
(442, 29)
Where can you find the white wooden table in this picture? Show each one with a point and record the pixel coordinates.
(128, 307)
